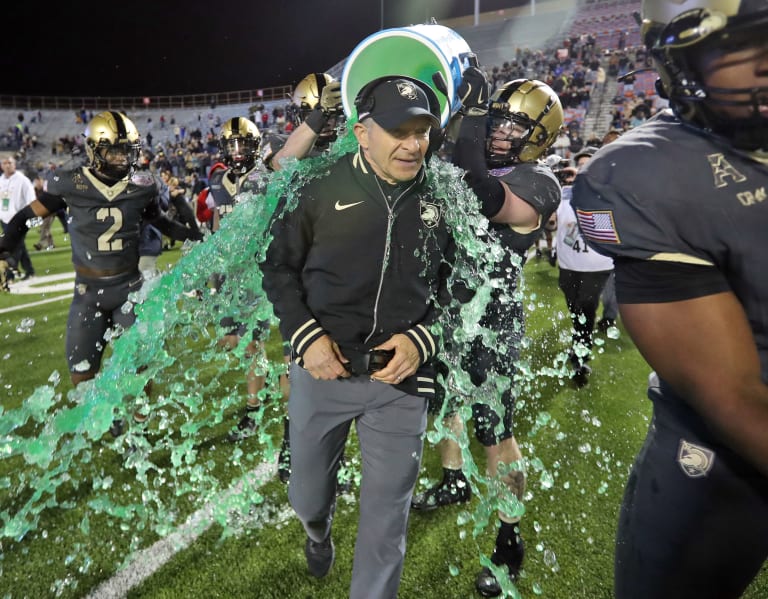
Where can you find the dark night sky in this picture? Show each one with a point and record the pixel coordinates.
(165, 47)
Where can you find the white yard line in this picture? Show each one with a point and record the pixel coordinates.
(44, 284)
(148, 561)
(30, 305)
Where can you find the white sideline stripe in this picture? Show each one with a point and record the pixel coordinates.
(148, 561)
(45, 301)
(37, 285)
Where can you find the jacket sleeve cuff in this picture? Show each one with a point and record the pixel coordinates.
(305, 336)
(423, 340)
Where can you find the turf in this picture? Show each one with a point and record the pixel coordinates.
(578, 443)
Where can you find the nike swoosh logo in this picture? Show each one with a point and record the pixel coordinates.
(340, 206)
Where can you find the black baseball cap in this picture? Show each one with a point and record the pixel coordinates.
(393, 102)
(586, 151)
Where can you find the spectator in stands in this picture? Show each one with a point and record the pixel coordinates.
(601, 78)
(574, 135)
(562, 144)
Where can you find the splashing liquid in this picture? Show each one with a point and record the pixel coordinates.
(168, 366)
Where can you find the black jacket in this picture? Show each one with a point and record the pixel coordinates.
(360, 260)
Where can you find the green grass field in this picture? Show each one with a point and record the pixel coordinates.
(578, 443)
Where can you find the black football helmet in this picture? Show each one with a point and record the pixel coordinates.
(112, 144)
(678, 32)
(306, 97)
(239, 141)
(530, 109)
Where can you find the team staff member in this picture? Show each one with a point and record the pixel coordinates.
(499, 144)
(107, 203)
(678, 203)
(16, 193)
(342, 317)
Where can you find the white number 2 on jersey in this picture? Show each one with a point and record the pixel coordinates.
(106, 243)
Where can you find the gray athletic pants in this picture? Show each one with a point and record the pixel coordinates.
(390, 426)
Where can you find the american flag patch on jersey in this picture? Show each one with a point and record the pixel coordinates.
(597, 225)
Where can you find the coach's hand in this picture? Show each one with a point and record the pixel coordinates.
(324, 360)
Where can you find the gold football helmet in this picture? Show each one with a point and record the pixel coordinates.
(306, 97)
(112, 144)
(307, 94)
(676, 32)
(525, 114)
(239, 141)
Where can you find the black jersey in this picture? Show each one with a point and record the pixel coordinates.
(667, 193)
(104, 221)
(272, 143)
(225, 186)
(536, 184)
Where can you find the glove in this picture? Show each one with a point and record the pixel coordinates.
(330, 99)
(474, 92)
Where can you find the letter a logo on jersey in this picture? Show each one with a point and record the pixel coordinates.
(695, 460)
(722, 170)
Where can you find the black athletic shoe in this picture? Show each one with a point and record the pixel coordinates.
(319, 556)
(581, 375)
(117, 428)
(445, 493)
(245, 428)
(487, 584)
(604, 324)
(284, 461)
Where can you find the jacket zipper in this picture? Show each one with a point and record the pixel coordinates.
(387, 247)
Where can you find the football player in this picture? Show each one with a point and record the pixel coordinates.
(679, 203)
(317, 109)
(107, 201)
(239, 172)
(499, 144)
(239, 141)
(316, 106)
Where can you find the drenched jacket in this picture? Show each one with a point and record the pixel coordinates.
(360, 260)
